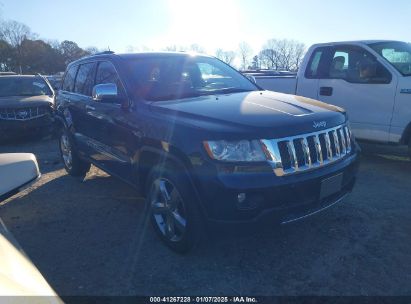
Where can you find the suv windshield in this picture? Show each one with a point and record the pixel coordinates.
(23, 86)
(398, 54)
(160, 78)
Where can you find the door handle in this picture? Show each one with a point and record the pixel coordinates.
(90, 108)
(326, 91)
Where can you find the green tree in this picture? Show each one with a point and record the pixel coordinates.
(40, 57)
(6, 56)
(71, 51)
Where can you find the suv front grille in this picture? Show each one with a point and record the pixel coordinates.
(308, 151)
(25, 113)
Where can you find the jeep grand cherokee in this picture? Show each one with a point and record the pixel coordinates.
(203, 142)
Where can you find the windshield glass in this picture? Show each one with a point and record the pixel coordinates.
(23, 86)
(398, 54)
(160, 78)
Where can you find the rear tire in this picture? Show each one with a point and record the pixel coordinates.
(72, 163)
(173, 208)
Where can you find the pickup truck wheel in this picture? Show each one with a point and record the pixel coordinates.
(173, 209)
(72, 163)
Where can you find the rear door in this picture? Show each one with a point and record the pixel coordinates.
(355, 80)
(80, 103)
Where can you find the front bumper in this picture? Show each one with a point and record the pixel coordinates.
(280, 199)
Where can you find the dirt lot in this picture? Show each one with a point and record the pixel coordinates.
(89, 238)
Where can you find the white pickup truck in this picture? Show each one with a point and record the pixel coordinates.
(371, 80)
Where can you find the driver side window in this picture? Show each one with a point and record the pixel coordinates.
(355, 65)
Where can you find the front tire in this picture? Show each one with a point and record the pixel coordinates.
(173, 208)
(72, 163)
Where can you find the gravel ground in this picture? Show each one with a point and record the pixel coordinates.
(90, 238)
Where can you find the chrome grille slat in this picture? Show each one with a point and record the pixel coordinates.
(318, 148)
(343, 142)
(348, 138)
(293, 156)
(298, 154)
(306, 150)
(336, 143)
(328, 146)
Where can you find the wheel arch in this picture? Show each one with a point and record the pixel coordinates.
(149, 157)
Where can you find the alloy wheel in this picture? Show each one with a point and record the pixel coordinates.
(167, 208)
(66, 152)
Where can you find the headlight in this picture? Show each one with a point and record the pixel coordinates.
(235, 151)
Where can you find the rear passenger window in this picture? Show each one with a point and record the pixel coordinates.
(68, 83)
(85, 79)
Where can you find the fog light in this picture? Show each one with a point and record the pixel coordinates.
(241, 197)
(249, 201)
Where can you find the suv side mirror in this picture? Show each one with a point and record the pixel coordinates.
(17, 171)
(105, 92)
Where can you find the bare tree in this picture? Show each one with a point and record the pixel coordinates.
(272, 54)
(226, 56)
(256, 65)
(14, 33)
(138, 48)
(282, 54)
(175, 48)
(181, 48)
(55, 44)
(299, 52)
(196, 48)
(92, 50)
(130, 49)
(245, 51)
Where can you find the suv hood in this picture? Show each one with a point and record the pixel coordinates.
(258, 109)
(25, 101)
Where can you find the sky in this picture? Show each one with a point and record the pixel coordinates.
(123, 25)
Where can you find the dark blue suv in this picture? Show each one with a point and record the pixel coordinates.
(202, 141)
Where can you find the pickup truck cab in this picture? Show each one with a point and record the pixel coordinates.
(371, 80)
(202, 142)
